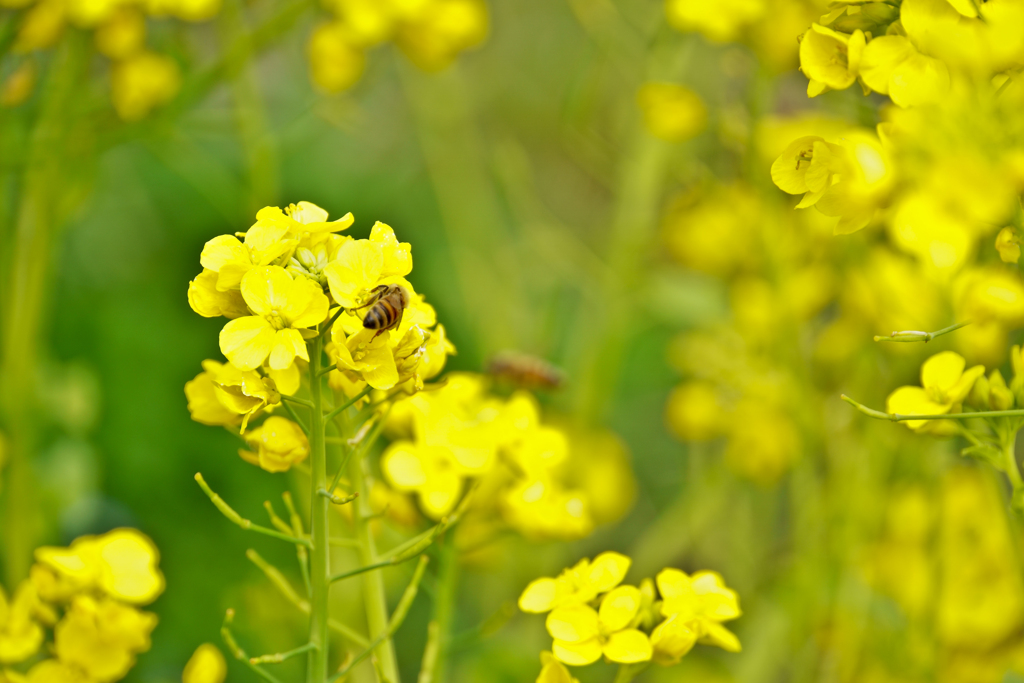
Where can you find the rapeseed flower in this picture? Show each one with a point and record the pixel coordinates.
(21, 635)
(700, 602)
(142, 82)
(576, 585)
(284, 308)
(830, 59)
(582, 634)
(279, 444)
(945, 383)
(102, 637)
(671, 112)
(720, 22)
(206, 665)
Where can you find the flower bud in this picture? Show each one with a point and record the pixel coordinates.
(1000, 396)
(978, 398)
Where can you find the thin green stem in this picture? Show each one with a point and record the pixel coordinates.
(1010, 460)
(397, 617)
(915, 336)
(329, 368)
(627, 672)
(320, 567)
(444, 612)
(363, 448)
(348, 404)
(295, 416)
(302, 551)
(898, 417)
(279, 657)
(236, 518)
(238, 652)
(297, 401)
(374, 595)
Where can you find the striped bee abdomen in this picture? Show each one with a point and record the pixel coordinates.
(381, 316)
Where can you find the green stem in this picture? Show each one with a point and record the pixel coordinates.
(244, 523)
(898, 417)
(320, 567)
(444, 612)
(627, 672)
(348, 404)
(915, 336)
(1010, 457)
(374, 595)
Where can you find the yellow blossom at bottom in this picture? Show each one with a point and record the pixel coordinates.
(102, 637)
(206, 665)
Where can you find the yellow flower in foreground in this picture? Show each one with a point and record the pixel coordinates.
(671, 112)
(20, 635)
(830, 59)
(102, 637)
(696, 604)
(282, 306)
(122, 563)
(582, 634)
(576, 585)
(224, 395)
(553, 671)
(141, 83)
(279, 444)
(807, 167)
(361, 265)
(1008, 245)
(206, 665)
(210, 302)
(945, 384)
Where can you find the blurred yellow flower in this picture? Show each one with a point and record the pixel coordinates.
(54, 671)
(102, 637)
(945, 384)
(435, 35)
(123, 34)
(694, 411)
(892, 66)
(763, 442)
(671, 112)
(206, 665)
(335, 64)
(122, 563)
(20, 635)
(553, 671)
(581, 634)
(701, 602)
(1008, 245)
(142, 82)
(18, 85)
(576, 585)
(719, 21)
(279, 444)
(283, 308)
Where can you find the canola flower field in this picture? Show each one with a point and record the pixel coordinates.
(568, 341)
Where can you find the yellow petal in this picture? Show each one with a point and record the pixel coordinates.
(222, 250)
(307, 306)
(553, 671)
(672, 639)
(130, 563)
(722, 637)
(607, 571)
(397, 255)
(618, 608)
(958, 392)
(356, 269)
(287, 345)
(206, 665)
(789, 171)
(881, 56)
(403, 466)
(942, 371)
(441, 492)
(247, 341)
(539, 596)
(673, 583)
(628, 647)
(577, 654)
(919, 80)
(573, 623)
(266, 289)
(913, 401)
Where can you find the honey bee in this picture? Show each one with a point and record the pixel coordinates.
(528, 372)
(387, 304)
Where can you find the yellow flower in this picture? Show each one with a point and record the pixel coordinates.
(335, 64)
(210, 302)
(366, 354)
(553, 671)
(123, 34)
(282, 306)
(54, 671)
(581, 634)
(671, 112)
(361, 265)
(945, 384)
(266, 243)
(807, 167)
(763, 441)
(279, 444)
(1008, 245)
(700, 602)
(542, 508)
(435, 36)
(576, 585)
(830, 59)
(121, 563)
(206, 665)
(20, 634)
(719, 21)
(142, 82)
(892, 66)
(102, 637)
(41, 26)
(430, 471)
(694, 411)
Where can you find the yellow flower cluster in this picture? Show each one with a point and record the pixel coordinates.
(89, 594)
(591, 614)
(943, 170)
(459, 432)
(278, 283)
(431, 33)
(140, 78)
(949, 560)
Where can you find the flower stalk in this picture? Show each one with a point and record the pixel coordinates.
(320, 568)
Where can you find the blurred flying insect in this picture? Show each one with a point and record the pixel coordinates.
(387, 304)
(525, 371)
